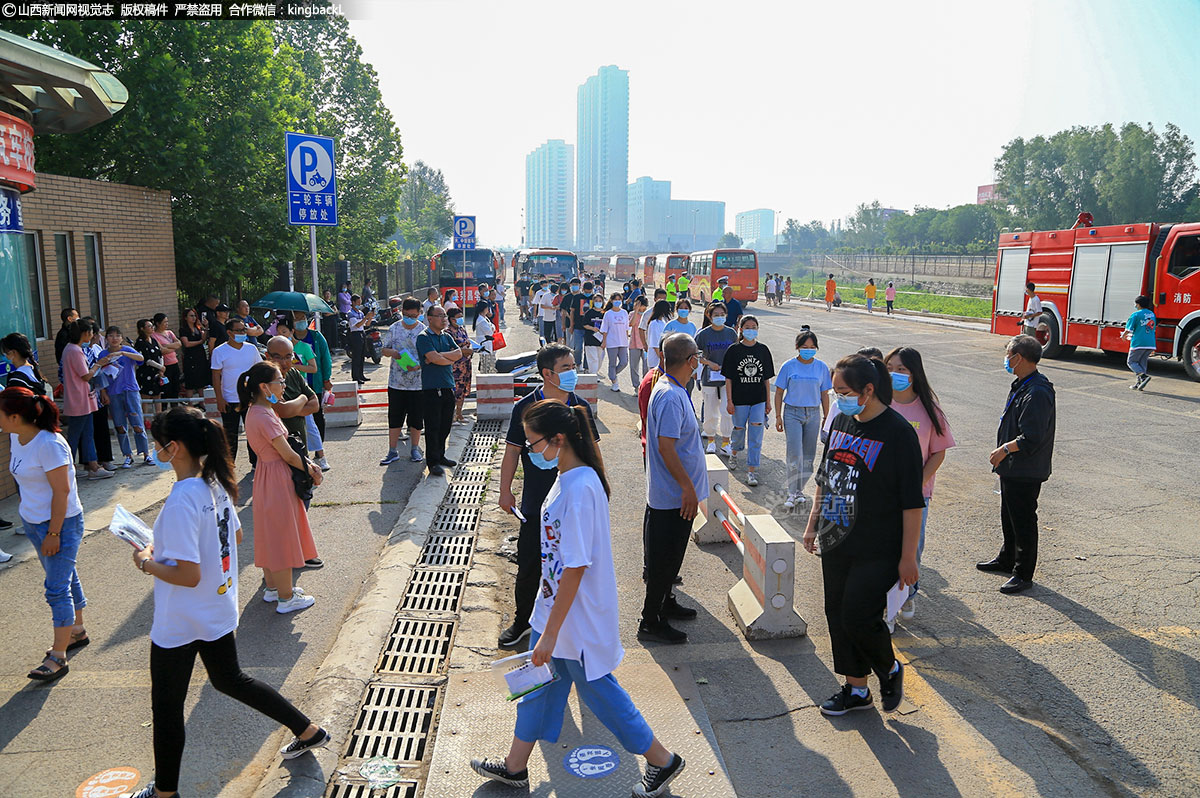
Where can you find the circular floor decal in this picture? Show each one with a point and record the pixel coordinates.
(109, 783)
(591, 761)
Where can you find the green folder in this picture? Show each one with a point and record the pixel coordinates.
(406, 360)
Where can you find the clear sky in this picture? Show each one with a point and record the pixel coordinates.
(801, 106)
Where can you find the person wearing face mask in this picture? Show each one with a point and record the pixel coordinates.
(748, 369)
(556, 365)
(451, 299)
(560, 334)
(593, 344)
(865, 523)
(913, 398)
(614, 333)
(655, 324)
(714, 339)
(485, 333)
(437, 352)
(801, 404)
(321, 380)
(283, 540)
(682, 321)
(405, 399)
(637, 341)
(1022, 459)
(1139, 331)
(230, 361)
(125, 401)
(357, 342)
(462, 367)
(543, 301)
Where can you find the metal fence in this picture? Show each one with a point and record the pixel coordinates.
(966, 266)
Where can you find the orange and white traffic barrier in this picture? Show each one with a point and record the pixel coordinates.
(588, 389)
(345, 410)
(493, 395)
(210, 404)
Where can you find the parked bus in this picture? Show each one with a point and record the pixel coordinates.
(462, 270)
(620, 267)
(673, 264)
(739, 265)
(1087, 278)
(558, 265)
(645, 269)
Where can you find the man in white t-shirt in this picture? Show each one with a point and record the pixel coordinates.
(543, 300)
(1033, 310)
(230, 361)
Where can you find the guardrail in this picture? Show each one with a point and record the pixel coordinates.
(762, 602)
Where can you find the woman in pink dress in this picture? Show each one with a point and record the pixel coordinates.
(282, 538)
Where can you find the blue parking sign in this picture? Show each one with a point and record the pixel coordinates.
(312, 180)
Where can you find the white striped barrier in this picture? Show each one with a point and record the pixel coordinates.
(588, 389)
(345, 410)
(493, 395)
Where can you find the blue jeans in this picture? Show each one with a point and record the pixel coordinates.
(802, 426)
(500, 302)
(756, 416)
(64, 594)
(912, 590)
(577, 336)
(126, 411)
(540, 714)
(313, 435)
(80, 437)
(870, 303)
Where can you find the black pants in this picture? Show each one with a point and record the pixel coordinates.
(549, 331)
(231, 419)
(665, 536)
(529, 568)
(855, 598)
(357, 355)
(101, 435)
(170, 672)
(319, 416)
(438, 412)
(1019, 521)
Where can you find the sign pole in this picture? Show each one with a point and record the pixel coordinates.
(464, 285)
(312, 251)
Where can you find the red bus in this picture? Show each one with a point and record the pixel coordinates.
(668, 265)
(462, 270)
(645, 269)
(621, 266)
(739, 265)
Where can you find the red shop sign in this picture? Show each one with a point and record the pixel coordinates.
(16, 153)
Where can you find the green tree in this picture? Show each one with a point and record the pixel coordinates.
(730, 240)
(867, 225)
(426, 210)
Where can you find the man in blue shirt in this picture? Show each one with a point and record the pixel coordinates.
(437, 351)
(676, 478)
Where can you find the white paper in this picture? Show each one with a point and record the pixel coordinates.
(895, 600)
(517, 513)
(129, 528)
(528, 677)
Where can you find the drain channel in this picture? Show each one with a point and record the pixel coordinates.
(394, 722)
(416, 646)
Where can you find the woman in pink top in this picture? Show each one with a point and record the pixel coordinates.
(637, 341)
(170, 345)
(915, 400)
(889, 296)
(78, 400)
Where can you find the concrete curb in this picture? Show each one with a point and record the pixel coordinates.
(960, 322)
(333, 696)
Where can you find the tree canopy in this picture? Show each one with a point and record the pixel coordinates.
(729, 240)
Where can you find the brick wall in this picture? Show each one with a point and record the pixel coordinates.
(136, 250)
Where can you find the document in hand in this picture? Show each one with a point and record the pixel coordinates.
(129, 528)
(895, 600)
(518, 676)
(407, 360)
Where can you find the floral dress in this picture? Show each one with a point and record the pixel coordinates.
(461, 368)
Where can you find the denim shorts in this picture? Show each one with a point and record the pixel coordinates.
(64, 593)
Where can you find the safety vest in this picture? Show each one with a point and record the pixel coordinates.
(718, 295)
(684, 282)
(671, 294)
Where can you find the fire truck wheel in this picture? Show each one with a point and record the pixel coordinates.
(1048, 336)
(1191, 354)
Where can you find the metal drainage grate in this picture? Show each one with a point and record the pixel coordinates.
(465, 494)
(402, 789)
(394, 721)
(448, 551)
(488, 425)
(417, 647)
(487, 438)
(473, 454)
(455, 519)
(434, 591)
(471, 475)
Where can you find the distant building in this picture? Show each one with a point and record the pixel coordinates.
(888, 213)
(986, 194)
(550, 195)
(603, 160)
(756, 229)
(657, 222)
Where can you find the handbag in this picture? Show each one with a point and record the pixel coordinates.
(302, 481)
(498, 342)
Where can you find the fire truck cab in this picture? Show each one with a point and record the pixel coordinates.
(1087, 278)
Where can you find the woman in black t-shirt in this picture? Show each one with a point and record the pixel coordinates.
(865, 524)
(25, 373)
(748, 369)
(152, 371)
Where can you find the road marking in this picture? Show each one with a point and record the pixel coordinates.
(1160, 635)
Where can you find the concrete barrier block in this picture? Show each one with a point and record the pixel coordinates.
(763, 602)
(210, 404)
(706, 528)
(588, 389)
(345, 411)
(493, 395)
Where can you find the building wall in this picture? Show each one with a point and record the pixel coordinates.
(648, 205)
(136, 247)
(602, 172)
(550, 195)
(756, 229)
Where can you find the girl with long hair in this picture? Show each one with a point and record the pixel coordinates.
(801, 405)
(170, 345)
(194, 562)
(865, 523)
(461, 368)
(614, 331)
(152, 373)
(575, 624)
(915, 400)
(714, 339)
(660, 314)
(25, 373)
(283, 540)
(637, 340)
(748, 369)
(41, 462)
(196, 371)
(79, 400)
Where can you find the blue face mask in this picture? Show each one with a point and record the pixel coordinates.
(849, 406)
(1008, 366)
(900, 382)
(574, 289)
(165, 465)
(239, 338)
(302, 325)
(272, 398)
(718, 321)
(587, 293)
(409, 321)
(750, 334)
(539, 460)
(567, 380)
(683, 313)
(421, 318)
(807, 354)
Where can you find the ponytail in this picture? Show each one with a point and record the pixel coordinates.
(247, 385)
(205, 441)
(858, 371)
(551, 417)
(34, 408)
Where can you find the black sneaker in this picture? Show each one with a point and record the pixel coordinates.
(436, 470)
(146, 792)
(5, 524)
(447, 462)
(891, 689)
(845, 701)
(661, 632)
(297, 746)
(315, 562)
(655, 782)
(495, 770)
(677, 612)
(513, 635)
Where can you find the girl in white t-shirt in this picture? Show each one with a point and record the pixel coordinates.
(195, 567)
(575, 618)
(485, 331)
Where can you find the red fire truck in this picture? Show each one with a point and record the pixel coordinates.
(1087, 278)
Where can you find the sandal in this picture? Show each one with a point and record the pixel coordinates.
(43, 674)
(78, 641)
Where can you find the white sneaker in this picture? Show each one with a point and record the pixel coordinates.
(712, 448)
(100, 473)
(128, 462)
(909, 609)
(732, 461)
(790, 501)
(752, 479)
(298, 601)
(615, 387)
(4, 556)
(726, 450)
(271, 594)
(323, 463)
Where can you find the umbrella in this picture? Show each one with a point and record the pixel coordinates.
(293, 300)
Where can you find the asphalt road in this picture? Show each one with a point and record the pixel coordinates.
(1085, 685)
(52, 737)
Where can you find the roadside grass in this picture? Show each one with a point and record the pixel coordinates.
(920, 301)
